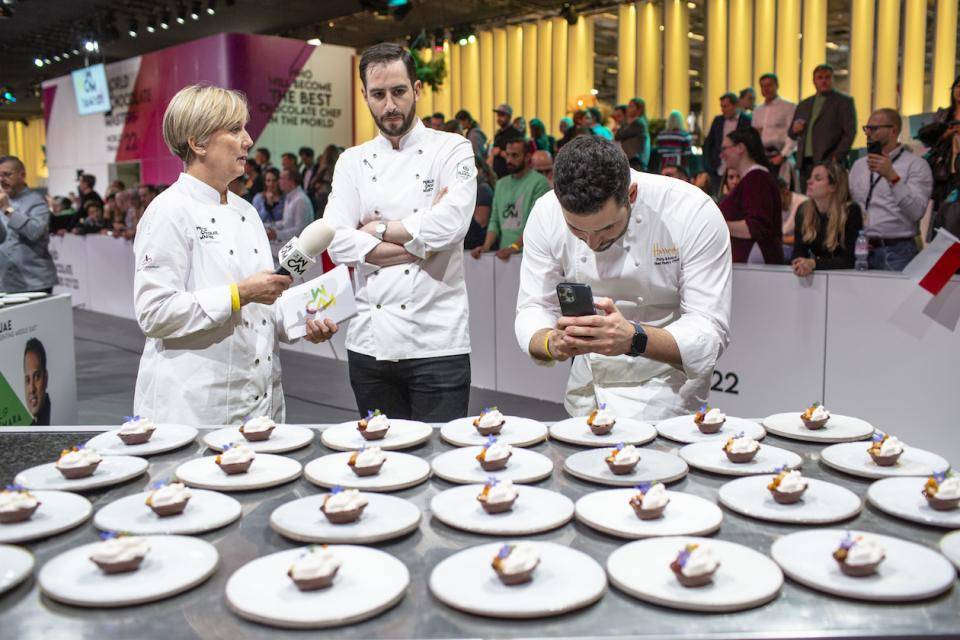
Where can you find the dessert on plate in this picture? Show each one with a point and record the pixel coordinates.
(168, 498)
(858, 556)
(314, 569)
(942, 491)
(623, 459)
(366, 461)
(343, 506)
(650, 500)
(815, 417)
(787, 486)
(885, 449)
(235, 458)
(489, 422)
(741, 448)
(515, 562)
(695, 565)
(16, 504)
(374, 426)
(497, 496)
(494, 455)
(78, 462)
(136, 430)
(709, 419)
(258, 429)
(601, 421)
(119, 552)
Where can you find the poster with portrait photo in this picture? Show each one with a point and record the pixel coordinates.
(38, 383)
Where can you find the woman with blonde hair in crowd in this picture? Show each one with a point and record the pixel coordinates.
(827, 225)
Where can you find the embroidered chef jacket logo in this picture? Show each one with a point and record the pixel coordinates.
(466, 170)
(320, 300)
(428, 185)
(665, 255)
(145, 263)
(207, 234)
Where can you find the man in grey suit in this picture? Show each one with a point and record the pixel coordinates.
(25, 262)
(824, 125)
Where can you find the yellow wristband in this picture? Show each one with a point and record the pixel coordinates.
(546, 347)
(234, 297)
(515, 246)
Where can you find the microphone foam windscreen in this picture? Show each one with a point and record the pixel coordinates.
(316, 238)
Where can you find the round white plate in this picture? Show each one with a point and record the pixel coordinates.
(901, 497)
(744, 579)
(852, 458)
(112, 470)
(950, 547)
(384, 518)
(286, 437)
(266, 471)
(174, 564)
(822, 503)
(59, 511)
(402, 434)
(838, 428)
(709, 456)
(15, 565)
(909, 572)
(566, 579)
(627, 431)
(610, 512)
(368, 583)
(534, 511)
(206, 511)
(654, 466)
(684, 429)
(399, 471)
(461, 466)
(519, 432)
(167, 437)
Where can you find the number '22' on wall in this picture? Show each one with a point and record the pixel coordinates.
(731, 379)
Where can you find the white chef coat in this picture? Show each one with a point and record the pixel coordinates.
(203, 363)
(416, 310)
(672, 269)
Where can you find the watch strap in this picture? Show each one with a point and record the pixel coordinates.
(639, 343)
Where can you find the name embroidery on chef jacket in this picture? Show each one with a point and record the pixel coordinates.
(665, 255)
(428, 185)
(207, 234)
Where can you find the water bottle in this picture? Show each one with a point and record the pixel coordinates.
(861, 252)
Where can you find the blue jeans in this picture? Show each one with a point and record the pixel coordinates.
(892, 257)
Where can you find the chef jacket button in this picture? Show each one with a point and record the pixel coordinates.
(243, 218)
(264, 322)
(626, 247)
(213, 220)
(420, 151)
(269, 358)
(403, 306)
(374, 178)
(583, 259)
(374, 155)
(378, 306)
(406, 272)
(231, 251)
(255, 251)
(417, 176)
(638, 218)
(256, 398)
(415, 210)
(257, 361)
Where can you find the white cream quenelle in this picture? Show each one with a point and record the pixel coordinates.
(603, 417)
(120, 549)
(949, 489)
(377, 423)
(173, 493)
(17, 500)
(237, 453)
(714, 416)
(345, 500)
(137, 425)
(792, 482)
(626, 455)
(79, 458)
(743, 444)
(315, 563)
(819, 413)
(497, 451)
(259, 424)
(655, 497)
(891, 446)
(502, 491)
(701, 561)
(490, 418)
(864, 551)
(369, 457)
(523, 557)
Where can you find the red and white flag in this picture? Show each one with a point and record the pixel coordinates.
(933, 267)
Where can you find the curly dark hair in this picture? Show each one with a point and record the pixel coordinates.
(588, 171)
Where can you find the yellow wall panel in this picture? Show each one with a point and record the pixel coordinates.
(515, 69)
(470, 81)
(715, 83)
(559, 71)
(544, 75)
(676, 73)
(861, 62)
(650, 57)
(487, 103)
(912, 72)
(944, 53)
(788, 49)
(499, 67)
(740, 53)
(764, 42)
(815, 41)
(626, 52)
(888, 49)
(531, 72)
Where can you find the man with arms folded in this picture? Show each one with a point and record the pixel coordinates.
(656, 253)
(402, 204)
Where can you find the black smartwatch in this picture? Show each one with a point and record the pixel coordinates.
(639, 343)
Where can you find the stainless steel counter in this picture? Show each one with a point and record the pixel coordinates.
(798, 612)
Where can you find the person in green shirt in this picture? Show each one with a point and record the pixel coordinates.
(513, 199)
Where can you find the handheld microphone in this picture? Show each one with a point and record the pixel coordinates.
(300, 252)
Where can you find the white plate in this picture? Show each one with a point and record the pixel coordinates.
(565, 580)
(852, 458)
(534, 511)
(838, 428)
(744, 579)
(368, 583)
(610, 512)
(709, 456)
(384, 518)
(29, 295)
(822, 503)
(174, 564)
(286, 437)
(112, 470)
(167, 437)
(684, 429)
(15, 299)
(15, 565)
(266, 471)
(909, 572)
(461, 466)
(654, 466)
(519, 432)
(950, 546)
(206, 511)
(402, 434)
(902, 497)
(399, 471)
(59, 511)
(627, 431)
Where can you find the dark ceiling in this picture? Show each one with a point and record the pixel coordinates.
(48, 28)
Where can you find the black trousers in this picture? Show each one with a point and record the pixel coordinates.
(425, 389)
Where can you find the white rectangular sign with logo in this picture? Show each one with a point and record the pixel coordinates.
(328, 296)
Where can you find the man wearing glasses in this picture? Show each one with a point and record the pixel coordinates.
(892, 187)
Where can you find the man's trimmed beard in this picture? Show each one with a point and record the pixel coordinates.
(397, 130)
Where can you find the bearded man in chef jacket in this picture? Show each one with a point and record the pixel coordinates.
(656, 253)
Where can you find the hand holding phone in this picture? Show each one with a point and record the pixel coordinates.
(576, 299)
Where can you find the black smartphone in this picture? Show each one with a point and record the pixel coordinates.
(576, 299)
(875, 147)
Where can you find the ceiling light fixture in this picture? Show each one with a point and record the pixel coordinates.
(195, 11)
(134, 29)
